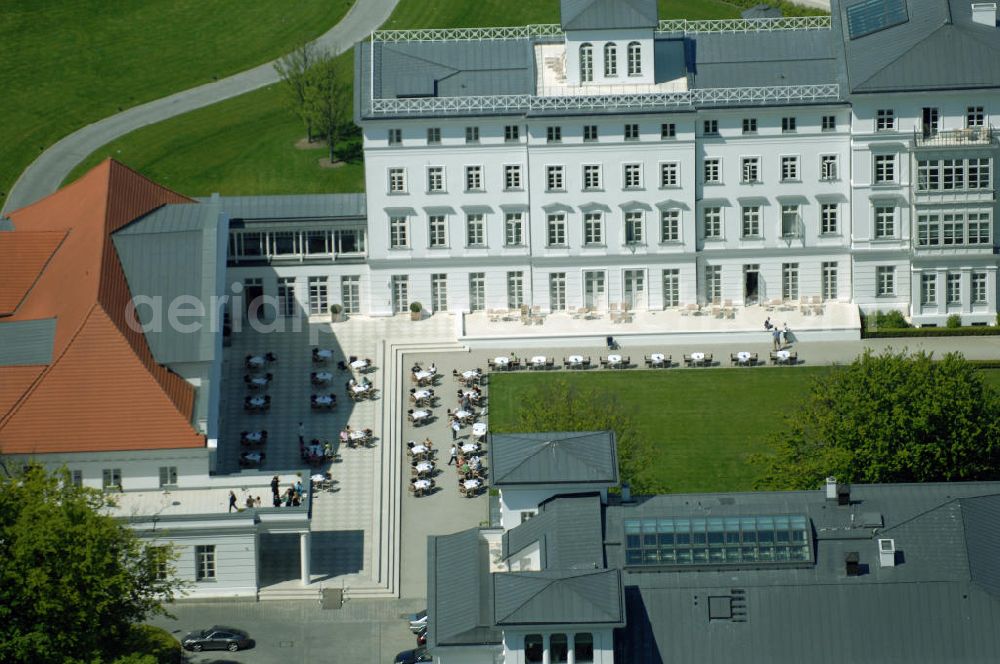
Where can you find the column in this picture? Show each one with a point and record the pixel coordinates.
(304, 557)
(546, 653)
(570, 652)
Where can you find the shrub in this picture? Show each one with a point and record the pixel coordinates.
(154, 642)
(977, 331)
(954, 321)
(335, 309)
(416, 307)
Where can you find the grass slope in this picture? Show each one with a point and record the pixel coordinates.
(245, 145)
(67, 64)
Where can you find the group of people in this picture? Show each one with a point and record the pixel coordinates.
(781, 337)
(250, 502)
(291, 497)
(468, 468)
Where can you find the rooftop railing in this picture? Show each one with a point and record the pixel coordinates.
(746, 24)
(972, 136)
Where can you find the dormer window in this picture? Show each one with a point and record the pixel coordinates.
(586, 63)
(634, 59)
(610, 60)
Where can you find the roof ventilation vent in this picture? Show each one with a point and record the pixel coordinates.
(887, 553)
(831, 488)
(844, 494)
(985, 13)
(852, 563)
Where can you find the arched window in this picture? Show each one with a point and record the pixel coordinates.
(586, 63)
(634, 59)
(610, 60)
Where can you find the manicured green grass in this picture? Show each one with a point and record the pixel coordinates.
(704, 423)
(245, 145)
(66, 64)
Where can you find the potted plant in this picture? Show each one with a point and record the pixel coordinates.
(416, 310)
(336, 313)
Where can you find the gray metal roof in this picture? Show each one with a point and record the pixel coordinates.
(568, 530)
(295, 206)
(607, 14)
(558, 597)
(936, 47)
(562, 457)
(27, 342)
(459, 591)
(758, 59)
(171, 253)
(981, 519)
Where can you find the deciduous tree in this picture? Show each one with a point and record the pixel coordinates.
(328, 101)
(295, 71)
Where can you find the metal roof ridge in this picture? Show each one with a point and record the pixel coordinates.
(919, 42)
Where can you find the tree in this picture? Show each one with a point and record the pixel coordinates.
(890, 418)
(294, 70)
(558, 405)
(328, 101)
(74, 581)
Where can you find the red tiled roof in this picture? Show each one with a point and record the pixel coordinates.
(24, 256)
(14, 382)
(103, 390)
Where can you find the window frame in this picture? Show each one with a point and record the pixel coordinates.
(474, 178)
(789, 124)
(885, 119)
(434, 136)
(513, 221)
(885, 281)
(205, 564)
(437, 231)
(670, 174)
(632, 176)
(633, 54)
(396, 180)
(512, 177)
(399, 229)
(593, 229)
(555, 178)
(670, 226)
(790, 168)
(475, 229)
(631, 131)
(555, 226)
(829, 218)
(712, 165)
(435, 176)
(592, 177)
(750, 223)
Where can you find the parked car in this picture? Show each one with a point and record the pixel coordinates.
(418, 621)
(422, 637)
(217, 638)
(414, 656)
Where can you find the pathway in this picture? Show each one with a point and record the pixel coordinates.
(47, 172)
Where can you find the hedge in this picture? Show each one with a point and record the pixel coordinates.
(976, 331)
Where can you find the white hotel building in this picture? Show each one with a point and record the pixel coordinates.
(619, 158)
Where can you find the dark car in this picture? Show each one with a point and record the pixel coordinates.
(413, 656)
(217, 638)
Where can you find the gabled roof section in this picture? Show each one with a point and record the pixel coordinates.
(14, 382)
(558, 597)
(567, 457)
(26, 342)
(608, 14)
(459, 601)
(569, 531)
(981, 517)
(24, 258)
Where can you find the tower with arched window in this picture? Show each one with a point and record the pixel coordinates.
(609, 42)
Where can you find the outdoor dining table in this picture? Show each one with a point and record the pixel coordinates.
(361, 388)
(359, 364)
(252, 457)
(698, 358)
(424, 467)
(256, 361)
(423, 375)
(479, 429)
(471, 484)
(657, 358)
(257, 402)
(539, 360)
(259, 381)
(470, 394)
(318, 477)
(357, 434)
(575, 360)
(324, 376)
(419, 449)
(324, 353)
(501, 361)
(470, 374)
(420, 485)
(420, 415)
(468, 448)
(254, 436)
(422, 394)
(324, 400)
(783, 355)
(463, 414)
(614, 360)
(743, 357)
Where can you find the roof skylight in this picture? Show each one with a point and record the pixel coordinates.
(871, 16)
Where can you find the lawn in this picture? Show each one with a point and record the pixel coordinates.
(245, 145)
(67, 64)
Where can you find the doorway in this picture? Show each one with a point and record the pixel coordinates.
(593, 290)
(253, 294)
(635, 289)
(751, 284)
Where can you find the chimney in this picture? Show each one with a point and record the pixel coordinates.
(985, 13)
(626, 492)
(843, 494)
(831, 488)
(887, 553)
(852, 563)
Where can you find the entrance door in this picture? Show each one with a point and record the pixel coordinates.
(400, 294)
(253, 296)
(751, 285)
(593, 290)
(930, 121)
(635, 289)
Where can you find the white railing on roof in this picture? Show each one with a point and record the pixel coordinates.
(522, 103)
(469, 34)
(746, 24)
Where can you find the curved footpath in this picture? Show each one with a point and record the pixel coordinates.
(50, 168)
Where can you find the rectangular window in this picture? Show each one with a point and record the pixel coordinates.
(670, 225)
(978, 172)
(204, 560)
(398, 236)
(593, 231)
(554, 178)
(828, 167)
(974, 117)
(953, 287)
(631, 132)
(751, 169)
(978, 288)
(952, 229)
(589, 133)
(829, 281)
(952, 174)
(670, 174)
(668, 130)
(477, 291)
(515, 290)
(710, 127)
(751, 221)
(885, 221)
(885, 281)
(111, 478)
(76, 477)
(557, 291)
(789, 281)
(713, 283)
(671, 288)
(928, 175)
(553, 134)
(475, 230)
(472, 134)
(350, 293)
(634, 233)
(439, 292)
(788, 124)
(473, 178)
(885, 119)
(513, 228)
(828, 219)
(633, 176)
(435, 178)
(556, 227)
(712, 221)
(512, 133)
(286, 296)
(928, 230)
(930, 120)
(713, 171)
(885, 169)
(283, 243)
(591, 177)
(789, 169)
(168, 475)
(400, 284)
(433, 135)
(928, 288)
(583, 647)
(437, 231)
(397, 180)
(395, 136)
(634, 59)
(317, 295)
(979, 225)
(790, 226)
(829, 123)
(749, 125)
(512, 177)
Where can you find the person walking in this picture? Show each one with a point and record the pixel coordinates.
(777, 338)
(232, 502)
(302, 434)
(454, 455)
(274, 485)
(786, 335)
(456, 426)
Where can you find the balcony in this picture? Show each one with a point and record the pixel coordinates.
(972, 137)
